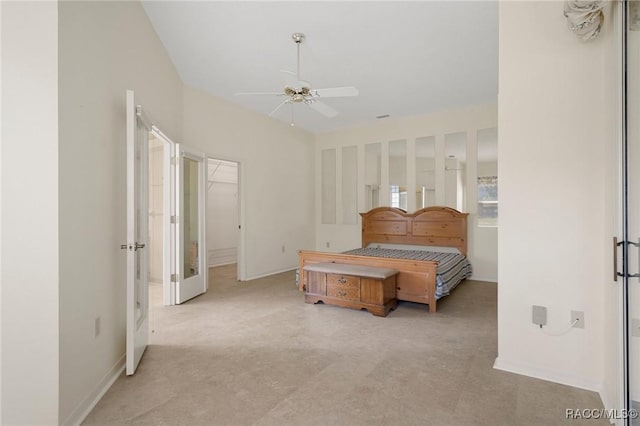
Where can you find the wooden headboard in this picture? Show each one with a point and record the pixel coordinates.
(431, 226)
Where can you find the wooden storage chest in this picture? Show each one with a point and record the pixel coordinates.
(352, 286)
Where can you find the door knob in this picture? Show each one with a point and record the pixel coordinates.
(139, 246)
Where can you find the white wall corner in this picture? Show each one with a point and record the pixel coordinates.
(489, 280)
(608, 405)
(548, 375)
(267, 274)
(30, 337)
(1, 145)
(83, 409)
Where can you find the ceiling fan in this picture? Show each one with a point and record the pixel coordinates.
(300, 91)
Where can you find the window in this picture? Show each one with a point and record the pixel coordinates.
(488, 201)
(399, 197)
(328, 185)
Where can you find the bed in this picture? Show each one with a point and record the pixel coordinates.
(419, 279)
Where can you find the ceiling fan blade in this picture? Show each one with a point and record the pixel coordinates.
(323, 109)
(278, 107)
(336, 92)
(259, 93)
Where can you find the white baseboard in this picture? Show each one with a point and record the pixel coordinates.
(222, 256)
(255, 277)
(84, 408)
(549, 375)
(609, 406)
(214, 265)
(489, 280)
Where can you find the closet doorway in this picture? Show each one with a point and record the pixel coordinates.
(223, 218)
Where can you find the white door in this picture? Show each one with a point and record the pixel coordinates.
(190, 233)
(137, 230)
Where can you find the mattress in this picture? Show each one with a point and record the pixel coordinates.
(452, 267)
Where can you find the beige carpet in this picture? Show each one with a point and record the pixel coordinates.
(254, 353)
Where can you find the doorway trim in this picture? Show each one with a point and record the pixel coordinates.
(242, 246)
(168, 287)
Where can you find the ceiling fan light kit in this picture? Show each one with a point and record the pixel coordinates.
(301, 91)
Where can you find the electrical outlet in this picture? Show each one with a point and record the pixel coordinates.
(539, 315)
(328, 244)
(577, 315)
(96, 327)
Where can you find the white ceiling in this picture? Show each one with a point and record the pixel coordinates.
(406, 58)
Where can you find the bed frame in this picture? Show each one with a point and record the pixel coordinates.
(431, 226)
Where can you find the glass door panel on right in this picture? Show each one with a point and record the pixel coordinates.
(137, 212)
(191, 277)
(191, 212)
(631, 212)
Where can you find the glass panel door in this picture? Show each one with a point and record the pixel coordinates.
(191, 210)
(137, 229)
(191, 277)
(631, 214)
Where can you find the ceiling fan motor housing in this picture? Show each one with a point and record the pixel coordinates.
(300, 91)
(298, 95)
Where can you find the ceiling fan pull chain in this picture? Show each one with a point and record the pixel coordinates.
(298, 73)
(292, 122)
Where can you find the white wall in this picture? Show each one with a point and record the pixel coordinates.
(482, 243)
(276, 177)
(29, 227)
(92, 84)
(104, 49)
(1, 139)
(557, 116)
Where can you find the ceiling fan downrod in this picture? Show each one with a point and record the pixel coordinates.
(300, 92)
(298, 38)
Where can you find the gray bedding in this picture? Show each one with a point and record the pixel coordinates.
(452, 267)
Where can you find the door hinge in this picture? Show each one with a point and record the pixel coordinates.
(175, 278)
(174, 219)
(616, 244)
